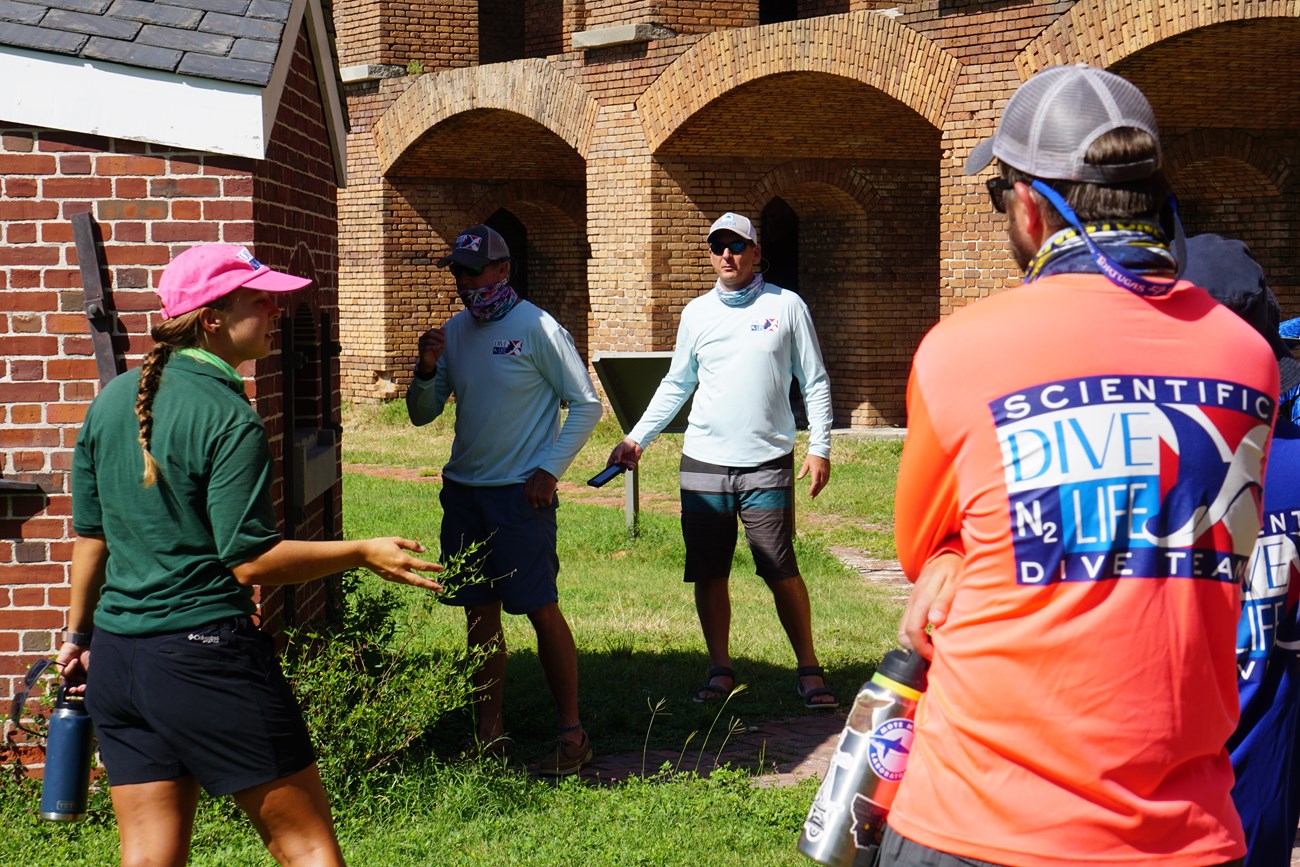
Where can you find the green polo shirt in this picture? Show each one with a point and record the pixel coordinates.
(171, 546)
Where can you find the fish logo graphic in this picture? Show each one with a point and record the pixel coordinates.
(890, 745)
(1204, 462)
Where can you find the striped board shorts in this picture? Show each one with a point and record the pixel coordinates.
(763, 497)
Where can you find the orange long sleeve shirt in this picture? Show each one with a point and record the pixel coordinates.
(1098, 455)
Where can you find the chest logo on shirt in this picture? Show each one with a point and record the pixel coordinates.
(1128, 476)
(508, 347)
(769, 323)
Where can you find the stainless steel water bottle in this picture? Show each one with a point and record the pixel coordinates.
(843, 827)
(65, 789)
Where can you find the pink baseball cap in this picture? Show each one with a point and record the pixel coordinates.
(207, 272)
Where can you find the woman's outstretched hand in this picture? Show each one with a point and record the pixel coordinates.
(387, 557)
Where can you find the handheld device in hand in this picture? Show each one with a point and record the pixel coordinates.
(606, 474)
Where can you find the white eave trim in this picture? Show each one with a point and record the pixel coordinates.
(331, 99)
(149, 105)
(129, 102)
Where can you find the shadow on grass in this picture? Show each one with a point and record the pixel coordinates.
(762, 724)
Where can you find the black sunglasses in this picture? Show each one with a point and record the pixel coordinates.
(998, 187)
(736, 247)
(457, 269)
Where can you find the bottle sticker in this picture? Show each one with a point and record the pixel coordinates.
(868, 822)
(891, 742)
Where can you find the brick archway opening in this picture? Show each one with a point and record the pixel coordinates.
(483, 166)
(863, 198)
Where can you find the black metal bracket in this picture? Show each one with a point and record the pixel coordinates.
(85, 232)
(12, 486)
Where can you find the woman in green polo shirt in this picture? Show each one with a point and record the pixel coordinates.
(175, 524)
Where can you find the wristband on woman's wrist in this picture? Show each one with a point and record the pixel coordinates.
(81, 639)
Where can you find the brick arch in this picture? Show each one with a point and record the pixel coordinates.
(867, 47)
(814, 186)
(532, 88)
(1102, 32)
(1236, 146)
(539, 196)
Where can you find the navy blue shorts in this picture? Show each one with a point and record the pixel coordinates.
(763, 497)
(209, 702)
(518, 558)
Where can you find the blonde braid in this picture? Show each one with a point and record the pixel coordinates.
(169, 335)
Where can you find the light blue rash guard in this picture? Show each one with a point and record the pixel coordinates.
(742, 360)
(509, 377)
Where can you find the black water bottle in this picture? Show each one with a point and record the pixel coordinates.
(848, 815)
(66, 787)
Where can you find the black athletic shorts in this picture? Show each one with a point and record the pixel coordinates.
(898, 851)
(209, 702)
(763, 497)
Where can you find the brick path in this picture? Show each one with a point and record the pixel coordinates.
(787, 750)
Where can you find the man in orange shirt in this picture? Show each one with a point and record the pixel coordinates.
(1100, 479)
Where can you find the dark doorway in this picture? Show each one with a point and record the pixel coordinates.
(772, 11)
(500, 30)
(516, 236)
(780, 241)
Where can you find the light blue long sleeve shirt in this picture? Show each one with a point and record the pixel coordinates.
(509, 378)
(742, 360)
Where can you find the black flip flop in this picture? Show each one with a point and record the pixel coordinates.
(707, 692)
(816, 692)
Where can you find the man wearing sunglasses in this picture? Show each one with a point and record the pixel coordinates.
(738, 349)
(510, 366)
(1077, 503)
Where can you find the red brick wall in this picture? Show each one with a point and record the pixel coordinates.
(150, 203)
(295, 227)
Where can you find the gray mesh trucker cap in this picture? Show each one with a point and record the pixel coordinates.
(1054, 117)
(476, 246)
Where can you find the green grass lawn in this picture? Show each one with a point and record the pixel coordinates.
(639, 645)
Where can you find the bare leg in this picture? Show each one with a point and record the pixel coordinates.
(795, 613)
(487, 638)
(713, 605)
(292, 815)
(155, 821)
(559, 657)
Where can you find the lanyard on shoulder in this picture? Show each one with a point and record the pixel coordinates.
(1111, 270)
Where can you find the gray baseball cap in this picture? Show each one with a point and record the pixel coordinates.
(1054, 117)
(477, 246)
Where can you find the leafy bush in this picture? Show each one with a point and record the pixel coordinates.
(368, 696)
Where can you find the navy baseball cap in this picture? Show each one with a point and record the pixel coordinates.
(1225, 268)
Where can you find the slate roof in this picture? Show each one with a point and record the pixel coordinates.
(227, 40)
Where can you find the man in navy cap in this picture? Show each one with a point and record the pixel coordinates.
(510, 366)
